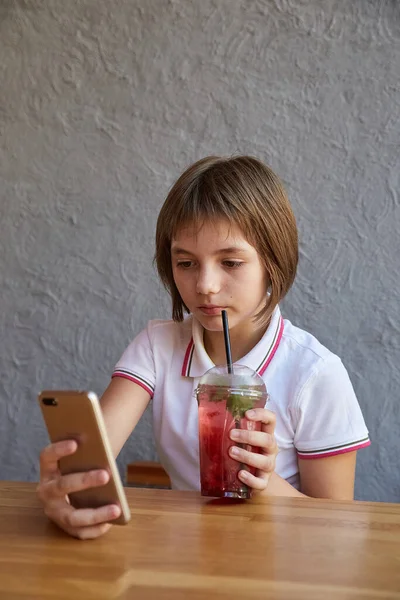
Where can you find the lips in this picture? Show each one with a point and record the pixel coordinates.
(210, 309)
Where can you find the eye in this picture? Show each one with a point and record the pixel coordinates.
(232, 264)
(184, 264)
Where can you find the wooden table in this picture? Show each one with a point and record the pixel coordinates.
(179, 545)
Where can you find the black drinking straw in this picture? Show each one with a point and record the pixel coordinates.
(243, 487)
(227, 341)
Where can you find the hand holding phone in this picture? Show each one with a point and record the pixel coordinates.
(79, 465)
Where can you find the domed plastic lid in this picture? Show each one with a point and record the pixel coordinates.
(241, 390)
(242, 376)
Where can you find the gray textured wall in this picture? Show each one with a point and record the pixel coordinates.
(102, 104)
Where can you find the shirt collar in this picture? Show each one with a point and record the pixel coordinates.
(196, 361)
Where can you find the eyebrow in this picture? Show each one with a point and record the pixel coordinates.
(231, 250)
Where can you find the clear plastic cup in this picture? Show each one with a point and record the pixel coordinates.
(223, 398)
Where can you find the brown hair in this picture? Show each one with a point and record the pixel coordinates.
(247, 193)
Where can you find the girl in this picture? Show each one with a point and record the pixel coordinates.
(226, 239)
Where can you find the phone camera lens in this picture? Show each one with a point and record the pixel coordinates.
(49, 401)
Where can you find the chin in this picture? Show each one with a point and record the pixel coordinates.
(213, 323)
(210, 327)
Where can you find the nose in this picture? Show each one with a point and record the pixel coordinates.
(208, 281)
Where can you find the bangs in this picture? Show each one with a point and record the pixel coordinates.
(206, 203)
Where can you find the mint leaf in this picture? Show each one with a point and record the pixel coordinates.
(237, 404)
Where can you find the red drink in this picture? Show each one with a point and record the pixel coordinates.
(221, 409)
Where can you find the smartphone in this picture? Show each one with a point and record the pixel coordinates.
(76, 415)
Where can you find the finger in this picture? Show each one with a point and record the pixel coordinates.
(267, 418)
(262, 462)
(71, 518)
(261, 439)
(74, 482)
(91, 533)
(50, 456)
(256, 483)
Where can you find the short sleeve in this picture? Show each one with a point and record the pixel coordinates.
(137, 363)
(329, 418)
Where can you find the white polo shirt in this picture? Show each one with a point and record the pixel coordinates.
(317, 413)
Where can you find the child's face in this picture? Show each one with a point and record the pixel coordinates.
(215, 268)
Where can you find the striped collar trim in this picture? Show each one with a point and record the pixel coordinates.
(273, 347)
(187, 361)
(276, 339)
